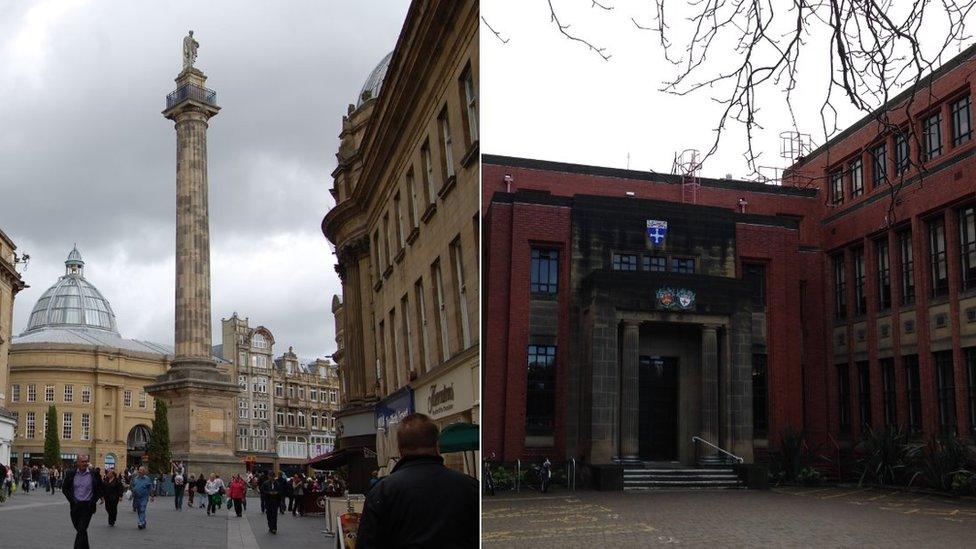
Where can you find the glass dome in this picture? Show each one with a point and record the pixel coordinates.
(72, 302)
(373, 84)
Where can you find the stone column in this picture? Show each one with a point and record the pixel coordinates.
(120, 434)
(710, 415)
(629, 393)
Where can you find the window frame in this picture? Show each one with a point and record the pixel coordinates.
(938, 257)
(956, 108)
(856, 168)
(913, 390)
(879, 170)
(932, 135)
(945, 380)
(966, 220)
(537, 264)
(882, 258)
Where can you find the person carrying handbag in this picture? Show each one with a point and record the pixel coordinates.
(215, 490)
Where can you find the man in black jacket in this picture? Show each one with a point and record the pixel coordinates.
(421, 503)
(83, 488)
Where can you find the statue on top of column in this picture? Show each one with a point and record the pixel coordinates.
(190, 46)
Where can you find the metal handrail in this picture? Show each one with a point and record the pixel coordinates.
(190, 91)
(572, 462)
(518, 473)
(730, 454)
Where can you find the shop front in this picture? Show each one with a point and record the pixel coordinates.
(389, 412)
(448, 396)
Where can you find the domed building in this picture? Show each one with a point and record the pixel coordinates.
(73, 356)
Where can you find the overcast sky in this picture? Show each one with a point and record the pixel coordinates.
(546, 97)
(86, 157)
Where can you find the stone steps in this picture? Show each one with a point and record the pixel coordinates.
(687, 478)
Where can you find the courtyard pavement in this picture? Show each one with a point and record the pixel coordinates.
(41, 520)
(782, 517)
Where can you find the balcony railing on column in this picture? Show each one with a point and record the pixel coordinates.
(189, 91)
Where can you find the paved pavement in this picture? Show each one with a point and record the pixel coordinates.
(787, 517)
(41, 520)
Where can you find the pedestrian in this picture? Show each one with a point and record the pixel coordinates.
(191, 489)
(272, 490)
(178, 487)
(202, 490)
(237, 492)
(142, 494)
(264, 477)
(112, 491)
(83, 489)
(297, 494)
(54, 480)
(421, 503)
(25, 479)
(214, 489)
(286, 493)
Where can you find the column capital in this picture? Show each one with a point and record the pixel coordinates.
(710, 327)
(630, 323)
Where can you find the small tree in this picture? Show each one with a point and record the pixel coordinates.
(159, 454)
(52, 445)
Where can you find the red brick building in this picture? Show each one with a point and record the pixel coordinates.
(622, 319)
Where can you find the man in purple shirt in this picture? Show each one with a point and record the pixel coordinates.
(83, 488)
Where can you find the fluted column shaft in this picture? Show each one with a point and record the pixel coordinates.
(710, 415)
(630, 393)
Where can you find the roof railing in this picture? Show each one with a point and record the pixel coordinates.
(190, 91)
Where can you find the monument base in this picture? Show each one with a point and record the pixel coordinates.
(201, 403)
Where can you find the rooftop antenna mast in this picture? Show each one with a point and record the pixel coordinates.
(687, 165)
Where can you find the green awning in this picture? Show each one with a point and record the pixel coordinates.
(459, 437)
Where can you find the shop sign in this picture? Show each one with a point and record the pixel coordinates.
(392, 409)
(440, 399)
(672, 299)
(656, 231)
(449, 394)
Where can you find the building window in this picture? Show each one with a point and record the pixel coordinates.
(860, 297)
(85, 426)
(86, 393)
(655, 263)
(907, 268)
(857, 178)
(259, 361)
(969, 355)
(279, 389)
(49, 393)
(406, 332)
(280, 417)
(447, 159)
(470, 97)
(258, 341)
(401, 233)
(884, 273)
(242, 438)
(260, 384)
(15, 393)
(461, 295)
(962, 129)
(540, 396)
(967, 246)
(242, 381)
(947, 392)
(932, 135)
(937, 257)
(890, 397)
(301, 419)
(142, 399)
(902, 159)
(428, 171)
(127, 398)
(31, 428)
(864, 394)
(301, 392)
(844, 397)
(545, 271)
(313, 394)
(66, 419)
(840, 287)
(914, 389)
(69, 393)
(291, 391)
(754, 275)
(683, 265)
(624, 262)
(760, 410)
(414, 199)
(837, 187)
(31, 393)
(440, 303)
(421, 302)
(879, 165)
(291, 418)
(334, 396)
(315, 420)
(387, 256)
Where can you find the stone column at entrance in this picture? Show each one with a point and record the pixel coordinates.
(630, 393)
(710, 415)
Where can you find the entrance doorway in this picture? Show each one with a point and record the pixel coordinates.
(658, 412)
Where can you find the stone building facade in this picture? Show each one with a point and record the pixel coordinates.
(306, 403)
(10, 283)
(406, 231)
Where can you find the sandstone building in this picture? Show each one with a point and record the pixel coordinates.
(10, 284)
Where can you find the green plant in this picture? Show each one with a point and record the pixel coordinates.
(52, 445)
(962, 482)
(791, 456)
(159, 454)
(940, 460)
(883, 456)
(503, 479)
(808, 476)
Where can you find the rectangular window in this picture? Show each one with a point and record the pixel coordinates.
(864, 394)
(969, 355)
(962, 129)
(280, 417)
(624, 262)
(377, 255)
(937, 257)
(301, 420)
(387, 256)
(279, 389)
(447, 159)
(313, 394)
(907, 268)
(66, 419)
(844, 397)
(69, 393)
(414, 199)
(85, 426)
(421, 302)
(967, 246)
(683, 265)
(428, 171)
(837, 187)
(840, 287)
(470, 98)
(857, 178)
(879, 165)
(381, 371)
(890, 396)
(127, 398)
(291, 418)
(31, 428)
(462, 292)
(540, 397)
(407, 334)
(860, 296)
(242, 438)
(86, 392)
(401, 233)
(884, 273)
(914, 390)
(932, 135)
(49, 393)
(655, 263)
(142, 399)
(242, 381)
(31, 393)
(441, 303)
(545, 271)
(947, 392)
(902, 158)
(15, 393)
(760, 409)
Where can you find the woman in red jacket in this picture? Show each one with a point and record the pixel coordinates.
(237, 492)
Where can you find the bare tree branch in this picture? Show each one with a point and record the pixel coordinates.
(496, 33)
(562, 29)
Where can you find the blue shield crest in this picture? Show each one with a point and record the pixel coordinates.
(657, 230)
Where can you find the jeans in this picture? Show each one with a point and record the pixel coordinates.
(237, 506)
(140, 505)
(178, 497)
(271, 506)
(112, 508)
(81, 514)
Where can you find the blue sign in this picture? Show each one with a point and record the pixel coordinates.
(394, 408)
(656, 231)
